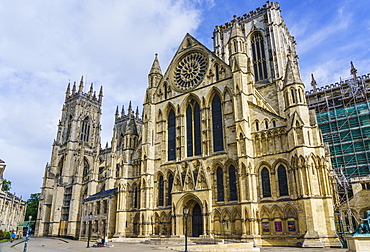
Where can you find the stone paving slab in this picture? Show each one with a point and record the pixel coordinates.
(43, 244)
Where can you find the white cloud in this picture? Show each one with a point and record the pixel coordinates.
(44, 44)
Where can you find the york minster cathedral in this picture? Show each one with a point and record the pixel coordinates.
(226, 134)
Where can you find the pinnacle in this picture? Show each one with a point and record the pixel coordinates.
(156, 68)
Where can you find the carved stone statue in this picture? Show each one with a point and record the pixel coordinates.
(364, 228)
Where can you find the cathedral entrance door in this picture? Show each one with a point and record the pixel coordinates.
(197, 221)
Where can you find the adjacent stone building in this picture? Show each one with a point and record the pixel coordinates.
(12, 208)
(226, 133)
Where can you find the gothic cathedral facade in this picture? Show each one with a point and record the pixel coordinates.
(226, 134)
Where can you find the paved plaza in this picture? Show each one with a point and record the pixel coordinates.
(42, 244)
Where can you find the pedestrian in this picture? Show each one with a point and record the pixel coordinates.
(105, 240)
(13, 236)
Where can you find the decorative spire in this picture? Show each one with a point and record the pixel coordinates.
(94, 96)
(68, 92)
(91, 91)
(313, 83)
(236, 30)
(137, 113)
(129, 109)
(123, 110)
(353, 71)
(81, 87)
(116, 113)
(100, 94)
(74, 88)
(156, 68)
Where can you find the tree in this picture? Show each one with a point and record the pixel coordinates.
(32, 207)
(6, 185)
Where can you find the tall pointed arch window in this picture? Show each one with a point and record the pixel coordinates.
(169, 189)
(218, 138)
(171, 135)
(193, 132)
(220, 184)
(266, 188)
(85, 130)
(160, 191)
(60, 166)
(86, 170)
(259, 57)
(283, 182)
(232, 184)
(136, 197)
(68, 131)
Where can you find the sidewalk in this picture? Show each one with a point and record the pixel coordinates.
(43, 244)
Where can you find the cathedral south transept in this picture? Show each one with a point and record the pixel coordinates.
(225, 133)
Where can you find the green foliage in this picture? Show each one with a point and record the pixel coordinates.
(32, 207)
(4, 235)
(6, 186)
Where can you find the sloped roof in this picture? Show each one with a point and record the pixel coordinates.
(102, 194)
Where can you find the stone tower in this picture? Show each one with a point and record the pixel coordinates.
(226, 134)
(73, 163)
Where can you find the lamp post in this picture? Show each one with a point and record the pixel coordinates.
(28, 231)
(88, 238)
(186, 214)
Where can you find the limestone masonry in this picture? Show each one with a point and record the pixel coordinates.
(227, 134)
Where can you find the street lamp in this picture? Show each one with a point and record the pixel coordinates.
(28, 231)
(88, 238)
(186, 214)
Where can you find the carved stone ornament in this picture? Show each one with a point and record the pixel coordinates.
(190, 71)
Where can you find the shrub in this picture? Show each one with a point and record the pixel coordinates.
(6, 235)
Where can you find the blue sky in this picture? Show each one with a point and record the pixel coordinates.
(44, 44)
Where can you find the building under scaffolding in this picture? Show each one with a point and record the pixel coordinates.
(343, 115)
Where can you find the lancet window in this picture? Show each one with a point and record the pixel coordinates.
(85, 130)
(160, 191)
(220, 185)
(218, 138)
(136, 197)
(68, 132)
(259, 57)
(232, 184)
(86, 170)
(171, 135)
(266, 188)
(283, 182)
(193, 129)
(169, 189)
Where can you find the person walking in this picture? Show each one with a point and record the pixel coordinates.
(13, 236)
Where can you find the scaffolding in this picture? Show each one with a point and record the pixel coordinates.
(343, 116)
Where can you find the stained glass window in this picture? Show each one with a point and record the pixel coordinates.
(232, 181)
(220, 185)
(218, 138)
(169, 189)
(259, 58)
(171, 135)
(283, 183)
(266, 189)
(85, 130)
(160, 191)
(193, 132)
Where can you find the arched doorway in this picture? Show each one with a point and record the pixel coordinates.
(197, 221)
